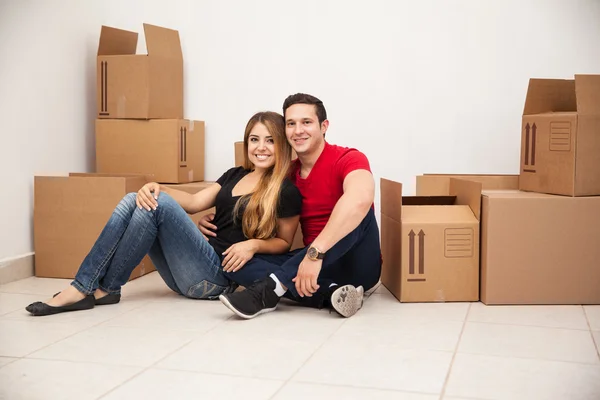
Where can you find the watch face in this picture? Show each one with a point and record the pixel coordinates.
(312, 253)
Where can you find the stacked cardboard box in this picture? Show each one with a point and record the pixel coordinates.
(140, 126)
(141, 136)
(538, 229)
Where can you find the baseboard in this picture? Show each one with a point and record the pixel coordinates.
(16, 268)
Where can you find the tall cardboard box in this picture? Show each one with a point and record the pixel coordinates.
(68, 216)
(439, 184)
(430, 244)
(539, 248)
(560, 139)
(193, 188)
(298, 242)
(139, 86)
(171, 150)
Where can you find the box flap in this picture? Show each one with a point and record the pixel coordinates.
(587, 89)
(115, 41)
(467, 193)
(437, 214)
(550, 95)
(162, 42)
(391, 199)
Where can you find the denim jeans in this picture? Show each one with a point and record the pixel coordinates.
(181, 255)
(355, 260)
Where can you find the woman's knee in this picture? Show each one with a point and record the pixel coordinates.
(127, 205)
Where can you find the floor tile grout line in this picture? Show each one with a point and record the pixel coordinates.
(528, 326)
(592, 364)
(87, 328)
(311, 355)
(162, 358)
(375, 388)
(262, 378)
(592, 333)
(447, 378)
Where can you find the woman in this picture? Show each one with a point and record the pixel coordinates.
(257, 211)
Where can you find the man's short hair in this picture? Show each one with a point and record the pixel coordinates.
(303, 98)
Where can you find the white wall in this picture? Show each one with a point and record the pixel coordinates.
(419, 86)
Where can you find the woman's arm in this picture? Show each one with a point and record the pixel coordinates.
(282, 242)
(194, 203)
(238, 254)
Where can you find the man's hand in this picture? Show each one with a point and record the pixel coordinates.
(306, 279)
(237, 255)
(205, 226)
(147, 196)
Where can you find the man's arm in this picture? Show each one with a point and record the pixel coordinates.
(347, 214)
(350, 210)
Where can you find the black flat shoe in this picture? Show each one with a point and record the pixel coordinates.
(39, 309)
(108, 299)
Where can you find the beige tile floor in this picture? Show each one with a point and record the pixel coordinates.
(157, 345)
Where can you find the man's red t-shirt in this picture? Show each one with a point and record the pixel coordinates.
(324, 186)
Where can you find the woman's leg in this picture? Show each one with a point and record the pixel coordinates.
(185, 260)
(97, 261)
(183, 257)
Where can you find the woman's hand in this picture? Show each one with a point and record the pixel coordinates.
(238, 254)
(147, 196)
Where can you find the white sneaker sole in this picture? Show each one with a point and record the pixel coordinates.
(347, 300)
(240, 314)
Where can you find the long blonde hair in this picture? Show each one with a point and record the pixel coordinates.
(260, 216)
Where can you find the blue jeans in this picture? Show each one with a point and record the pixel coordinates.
(181, 255)
(354, 260)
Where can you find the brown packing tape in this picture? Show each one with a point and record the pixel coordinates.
(192, 125)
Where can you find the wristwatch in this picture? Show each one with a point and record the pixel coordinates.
(314, 254)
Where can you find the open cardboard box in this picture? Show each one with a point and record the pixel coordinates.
(560, 140)
(131, 85)
(430, 244)
(439, 184)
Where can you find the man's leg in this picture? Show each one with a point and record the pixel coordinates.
(259, 267)
(355, 260)
(336, 280)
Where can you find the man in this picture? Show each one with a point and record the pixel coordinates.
(343, 257)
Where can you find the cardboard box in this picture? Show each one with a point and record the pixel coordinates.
(560, 139)
(194, 188)
(68, 216)
(298, 242)
(171, 150)
(239, 153)
(430, 245)
(439, 184)
(139, 86)
(539, 249)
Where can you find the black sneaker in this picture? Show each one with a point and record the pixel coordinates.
(347, 300)
(256, 299)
